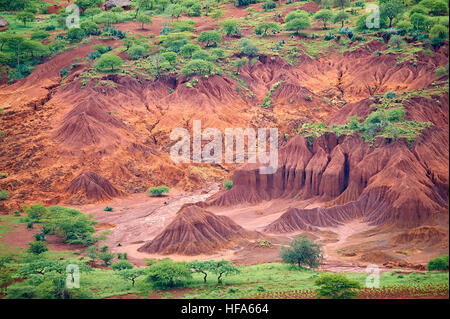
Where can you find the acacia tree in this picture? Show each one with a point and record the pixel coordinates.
(264, 28)
(131, 274)
(391, 9)
(143, 19)
(302, 252)
(324, 15)
(211, 37)
(201, 267)
(109, 60)
(222, 268)
(25, 17)
(341, 17)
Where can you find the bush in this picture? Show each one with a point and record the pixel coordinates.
(203, 55)
(396, 41)
(439, 31)
(269, 5)
(336, 286)
(199, 67)
(436, 7)
(64, 72)
(121, 265)
(189, 49)
(39, 35)
(248, 48)
(302, 252)
(441, 71)
(228, 185)
(168, 274)
(170, 57)
(265, 28)
(75, 34)
(231, 28)
(438, 263)
(4, 194)
(158, 190)
(136, 51)
(37, 247)
(108, 209)
(90, 28)
(106, 257)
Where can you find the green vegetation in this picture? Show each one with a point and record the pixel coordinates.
(268, 98)
(168, 274)
(302, 252)
(108, 209)
(107, 61)
(336, 286)
(4, 194)
(228, 185)
(438, 263)
(71, 225)
(387, 121)
(158, 190)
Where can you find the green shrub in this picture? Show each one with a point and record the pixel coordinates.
(121, 265)
(199, 67)
(202, 55)
(248, 48)
(439, 31)
(37, 247)
(228, 185)
(106, 257)
(170, 57)
(4, 194)
(136, 52)
(90, 28)
(269, 5)
(231, 28)
(438, 263)
(302, 252)
(75, 34)
(64, 72)
(3, 175)
(210, 37)
(436, 7)
(108, 209)
(336, 286)
(267, 27)
(188, 49)
(441, 71)
(158, 190)
(168, 274)
(39, 35)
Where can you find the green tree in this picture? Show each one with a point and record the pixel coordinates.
(201, 267)
(230, 27)
(302, 252)
(109, 60)
(131, 274)
(336, 286)
(75, 34)
(143, 19)
(25, 17)
(265, 28)
(223, 268)
(420, 22)
(210, 37)
(84, 4)
(168, 274)
(297, 20)
(228, 185)
(439, 31)
(324, 15)
(341, 17)
(391, 9)
(106, 257)
(90, 28)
